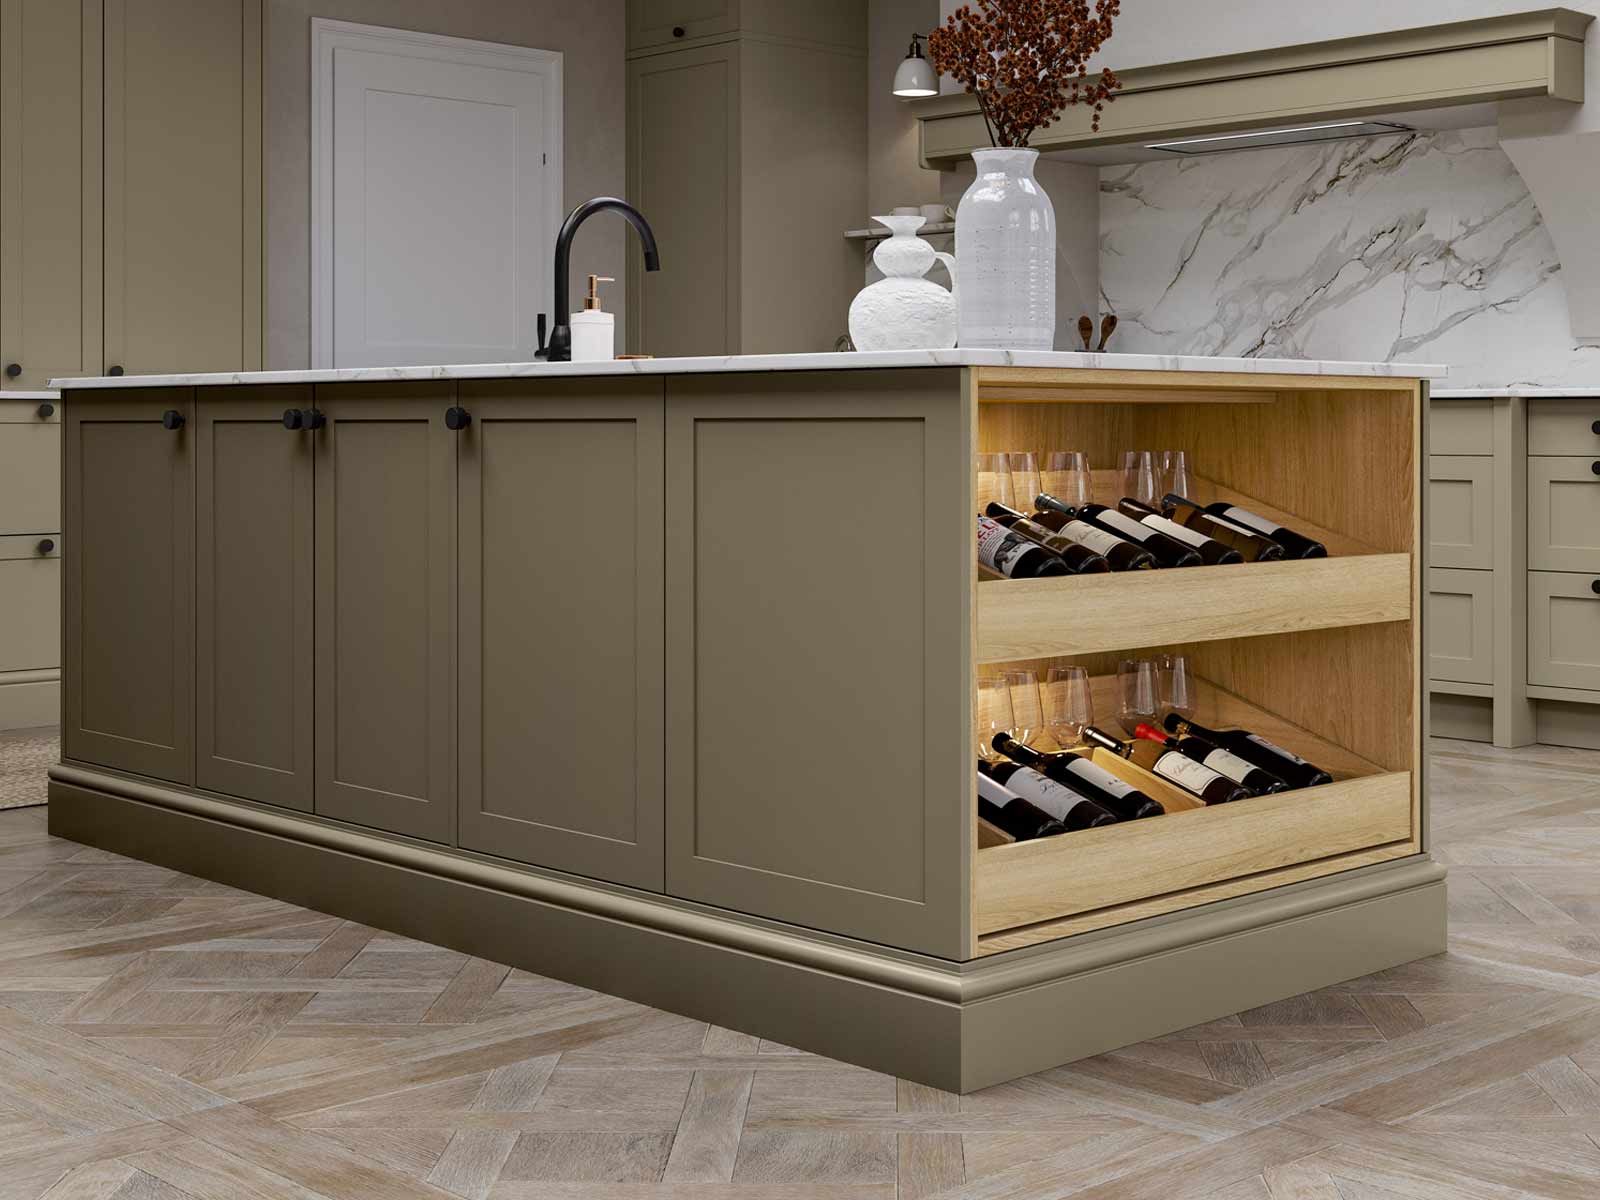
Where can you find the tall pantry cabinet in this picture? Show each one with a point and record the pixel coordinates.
(746, 151)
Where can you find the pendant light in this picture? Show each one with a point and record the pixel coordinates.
(914, 77)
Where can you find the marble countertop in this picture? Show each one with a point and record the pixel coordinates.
(779, 362)
(35, 394)
(1527, 393)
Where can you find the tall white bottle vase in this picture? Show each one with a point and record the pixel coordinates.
(1006, 255)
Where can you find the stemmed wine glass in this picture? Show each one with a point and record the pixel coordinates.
(994, 481)
(1026, 710)
(1140, 478)
(1136, 693)
(1068, 705)
(994, 714)
(1175, 687)
(1024, 479)
(1175, 477)
(1067, 477)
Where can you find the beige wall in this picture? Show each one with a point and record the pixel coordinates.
(893, 174)
(589, 33)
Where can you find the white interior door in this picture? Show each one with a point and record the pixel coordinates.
(437, 190)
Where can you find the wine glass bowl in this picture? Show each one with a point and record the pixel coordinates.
(994, 714)
(1136, 693)
(1024, 478)
(1176, 479)
(1175, 687)
(1068, 704)
(994, 481)
(1065, 474)
(1027, 712)
(1140, 477)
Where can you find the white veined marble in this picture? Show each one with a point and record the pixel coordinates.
(1388, 249)
(776, 362)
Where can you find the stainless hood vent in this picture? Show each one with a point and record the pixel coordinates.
(1295, 135)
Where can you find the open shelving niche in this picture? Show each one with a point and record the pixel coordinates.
(1321, 656)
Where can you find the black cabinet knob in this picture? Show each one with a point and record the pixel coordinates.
(1595, 429)
(115, 372)
(293, 418)
(677, 31)
(46, 411)
(172, 419)
(1595, 466)
(1595, 587)
(314, 418)
(13, 370)
(46, 545)
(457, 418)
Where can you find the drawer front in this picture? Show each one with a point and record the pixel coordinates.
(1461, 511)
(30, 599)
(652, 23)
(1564, 427)
(1564, 630)
(1461, 426)
(1460, 625)
(30, 477)
(1564, 514)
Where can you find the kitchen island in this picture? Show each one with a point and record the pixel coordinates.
(659, 676)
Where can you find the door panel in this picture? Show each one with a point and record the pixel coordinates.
(818, 748)
(30, 582)
(561, 626)
(1564, 514)
(385, 598)
(253, 585)
(30, 468)
(1564, 426)
(1564, 630)
(129, 547)
(1460, 625)
(1461, 511)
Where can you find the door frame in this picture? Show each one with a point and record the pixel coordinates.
(327, 36)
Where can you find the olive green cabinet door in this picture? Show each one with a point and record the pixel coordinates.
(819, 583)
(253, 595)
(128, 699)
(385, 596)
(561, 626)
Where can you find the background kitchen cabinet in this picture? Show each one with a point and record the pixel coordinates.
(182, 185)
(385, 608)
(1564, 632)
(736, 165)
(49, 190)
(561, 626)
(130, 584)
(30, 559)
(253, 597)
(1460, 626)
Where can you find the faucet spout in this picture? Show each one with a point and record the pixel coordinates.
(560, 347)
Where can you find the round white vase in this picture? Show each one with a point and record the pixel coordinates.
(1006, 254)
(904, 311)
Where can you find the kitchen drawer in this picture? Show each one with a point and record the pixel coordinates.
(1461, 511)
(1564, 630)
(1460, 625)
(653, 22)
(30, 469)
(1461, 426)
(1564, 427)
(1564, 514)
(30, 604)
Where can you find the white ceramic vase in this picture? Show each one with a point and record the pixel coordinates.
(904, 311)
(1006, 253)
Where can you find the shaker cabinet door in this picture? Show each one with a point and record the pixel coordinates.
(385, 467)
(1564, 630)
(1460, 625)
(1564, 514)
(129, 548)
(253, 592)
(560, 646)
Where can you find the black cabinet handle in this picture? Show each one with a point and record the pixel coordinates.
(115, 372)
(46, 545)
(457, 418)
(293, 418)
(677, 31)
(46, 411)
(172, 419)
(13, 370)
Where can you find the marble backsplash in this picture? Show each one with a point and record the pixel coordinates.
(1416, 247)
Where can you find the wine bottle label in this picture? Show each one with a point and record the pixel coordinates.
(1088, 536)
(1225, 763)
(995, 793)
(1276, 749)
(998, 548)
(1243, 516)
(1184, 771)
(1099, 776)
(1173, 530)
(1126, 526)
(1057, 799)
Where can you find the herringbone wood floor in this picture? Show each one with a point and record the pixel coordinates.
(162, 1038)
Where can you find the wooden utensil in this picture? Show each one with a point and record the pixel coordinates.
(1108, 326)
(1086, 330)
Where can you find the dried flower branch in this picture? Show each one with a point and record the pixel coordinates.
(1026, 60)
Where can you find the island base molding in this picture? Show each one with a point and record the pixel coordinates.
(956, 1026)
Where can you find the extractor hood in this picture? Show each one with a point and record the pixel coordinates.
(1439, 76)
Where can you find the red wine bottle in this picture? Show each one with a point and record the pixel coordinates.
(1193, 777)
(1169, 551)
(1073, 809)
(1224, 762)
(1253, 546)
(1286, 765)
(1211, 551)
(1120, 553)
(1082, 775)
(1004, 809)
(1014, 556)
(1295, 545)
(1080, 559)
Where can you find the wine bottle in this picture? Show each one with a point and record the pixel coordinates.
(1014, 556)
(1295, 545)
(1073, 809)
(1223, 762)
(1004, 809)
(1252, 545)
(1169, 551)
(1120, 553)
(1079, 558)
(1285, 764)
(1193, 777)
(1084, 776)
(1211, 551)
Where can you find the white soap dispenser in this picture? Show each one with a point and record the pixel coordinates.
(594, 331)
